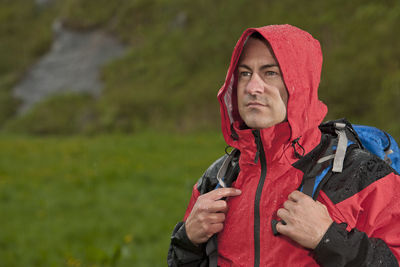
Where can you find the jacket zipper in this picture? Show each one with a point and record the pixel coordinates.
(260, 155)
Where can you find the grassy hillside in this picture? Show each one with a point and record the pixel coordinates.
(180, 51)
(104, 201)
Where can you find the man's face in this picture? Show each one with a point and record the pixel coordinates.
(262, 95)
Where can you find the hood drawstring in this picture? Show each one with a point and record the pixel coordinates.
(294, 142)
(226, 150)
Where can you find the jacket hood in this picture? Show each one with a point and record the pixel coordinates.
(300, 59)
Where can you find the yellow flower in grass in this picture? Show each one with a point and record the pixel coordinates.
(128, 238)
(71, 262)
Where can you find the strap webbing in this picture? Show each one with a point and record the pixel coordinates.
(308, 186)
(326, 158)
(341, 147)
(387, 153)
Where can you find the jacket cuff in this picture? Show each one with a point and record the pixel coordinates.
(332, 244)
(338, 247)
(180, 239)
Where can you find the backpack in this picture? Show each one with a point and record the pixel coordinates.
(368, 138)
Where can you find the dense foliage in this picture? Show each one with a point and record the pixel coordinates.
(180, 51)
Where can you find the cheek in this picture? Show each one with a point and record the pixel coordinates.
(283, 92)
(284, 96)
(239, 102)
(240, 95)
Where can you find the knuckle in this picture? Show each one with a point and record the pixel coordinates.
(221, 191)
(203, 206)
(199, 217)
(208, 230)
(279, 212)
(200, 206)
(286, 203)
(224, 205)
(218, 227)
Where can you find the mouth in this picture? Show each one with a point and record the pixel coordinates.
(255, 104)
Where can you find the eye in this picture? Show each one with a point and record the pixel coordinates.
(243, 74)
(271, 73)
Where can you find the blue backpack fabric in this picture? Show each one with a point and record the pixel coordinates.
(379, 143)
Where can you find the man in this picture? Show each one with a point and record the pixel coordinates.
(270, 112)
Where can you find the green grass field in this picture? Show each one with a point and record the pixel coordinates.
(96, 201)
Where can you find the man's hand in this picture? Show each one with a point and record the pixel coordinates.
(306, 220)
(208, 214)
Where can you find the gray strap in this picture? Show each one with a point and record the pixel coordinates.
(326, 158)
(387, 159)
(224, 168)
(341, 147)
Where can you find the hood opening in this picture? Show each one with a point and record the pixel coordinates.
(299, 58)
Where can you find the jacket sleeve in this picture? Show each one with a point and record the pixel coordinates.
(370, 234)
(339, 247)
(182, 252)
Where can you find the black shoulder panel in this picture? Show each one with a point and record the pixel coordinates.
(360, 169)
(209, 179)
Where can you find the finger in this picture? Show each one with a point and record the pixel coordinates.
(216, 218)
(322, 205)
(218, 206)
(296, 196)
(282, 228)
(289, 204)
(283, 214)
(223, 192)
(216, 227)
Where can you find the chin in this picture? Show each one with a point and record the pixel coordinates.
(257, 125)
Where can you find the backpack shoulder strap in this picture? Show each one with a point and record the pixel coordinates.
(329, 155)
(226, 168)
(229, 170)
(226, 175)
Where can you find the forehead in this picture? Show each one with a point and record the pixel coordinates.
(256, 50)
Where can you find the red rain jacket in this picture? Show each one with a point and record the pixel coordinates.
(372, 211)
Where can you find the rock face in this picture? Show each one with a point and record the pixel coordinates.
(72, 65)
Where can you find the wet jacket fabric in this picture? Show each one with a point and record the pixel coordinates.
(363, 200)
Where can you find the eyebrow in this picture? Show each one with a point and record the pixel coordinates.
(266, 66)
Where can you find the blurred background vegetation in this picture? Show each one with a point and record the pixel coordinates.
(178, 53)
(75, 182)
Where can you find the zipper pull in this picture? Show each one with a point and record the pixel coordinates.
(257, 140)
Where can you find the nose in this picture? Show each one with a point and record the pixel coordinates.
(255, 85)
